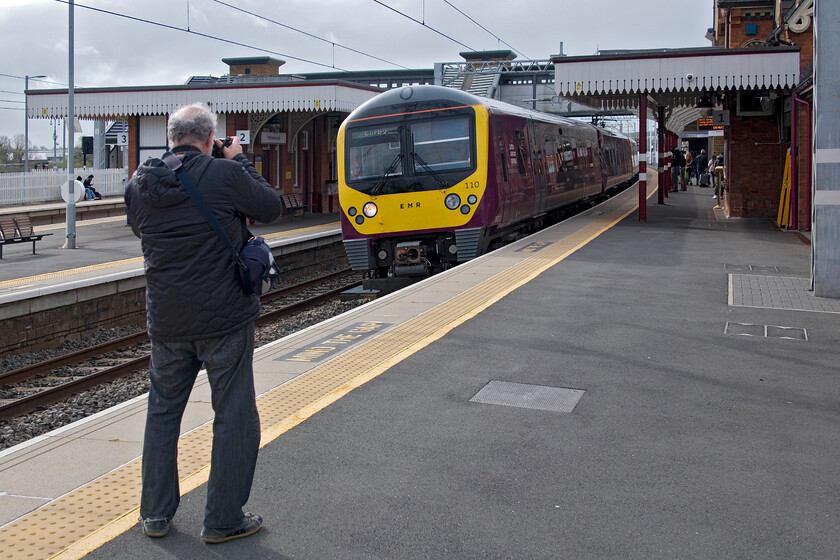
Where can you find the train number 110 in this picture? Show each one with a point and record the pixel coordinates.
(472, 185)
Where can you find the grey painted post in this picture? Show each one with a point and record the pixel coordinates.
(825, 249)
(99, 153)
(70, 218)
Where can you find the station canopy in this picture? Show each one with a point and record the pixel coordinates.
(259, 96)
(677, 79)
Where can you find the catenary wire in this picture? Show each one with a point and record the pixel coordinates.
(308, 34)
(457, 9)
(199, 34)
(418, 22)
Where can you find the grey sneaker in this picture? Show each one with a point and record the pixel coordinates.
(250, 525)
(155, 527)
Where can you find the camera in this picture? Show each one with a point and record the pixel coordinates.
(217, 151)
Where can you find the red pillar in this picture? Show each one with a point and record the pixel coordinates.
(660, 191)
(642, 156)
(666, 151)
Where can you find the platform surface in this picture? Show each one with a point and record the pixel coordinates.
(604, 389)
(107, 246)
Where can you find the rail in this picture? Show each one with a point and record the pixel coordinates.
(84, 375)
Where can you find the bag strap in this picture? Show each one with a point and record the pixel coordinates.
(175, 164)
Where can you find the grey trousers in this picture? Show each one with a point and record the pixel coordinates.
(236, 426)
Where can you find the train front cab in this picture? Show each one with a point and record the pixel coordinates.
(411, 188)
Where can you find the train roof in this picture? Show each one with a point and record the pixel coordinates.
(409, 98)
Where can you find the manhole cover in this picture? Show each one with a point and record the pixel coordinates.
(521, 395)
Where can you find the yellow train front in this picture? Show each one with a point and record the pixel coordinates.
(432, 176)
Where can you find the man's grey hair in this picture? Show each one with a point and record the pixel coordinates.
(190, 123)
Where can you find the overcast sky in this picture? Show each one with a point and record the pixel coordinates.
(163, 42)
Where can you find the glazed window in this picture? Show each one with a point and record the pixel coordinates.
(441, 145)
(374, 153)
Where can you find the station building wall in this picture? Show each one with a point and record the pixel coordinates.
(756, 150)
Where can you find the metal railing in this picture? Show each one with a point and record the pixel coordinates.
(45, 186)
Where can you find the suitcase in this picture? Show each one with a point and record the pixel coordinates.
(704, 179)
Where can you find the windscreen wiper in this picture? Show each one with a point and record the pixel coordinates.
(381, 182)
(443, 184)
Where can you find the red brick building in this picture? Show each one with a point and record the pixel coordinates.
(757, 141)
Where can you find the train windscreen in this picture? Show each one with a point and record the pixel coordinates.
(410, 156)
(441, 145)
(374, 153)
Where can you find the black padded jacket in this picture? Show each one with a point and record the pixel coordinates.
(192, 287)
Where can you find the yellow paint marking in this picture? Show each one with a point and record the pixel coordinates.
(69, 272)
(82, 223)
(126, 262)
(281, 409)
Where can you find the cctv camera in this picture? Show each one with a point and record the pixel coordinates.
(689, 77)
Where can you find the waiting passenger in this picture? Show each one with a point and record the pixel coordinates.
(677, 163)
(702, 164)
(90, 192)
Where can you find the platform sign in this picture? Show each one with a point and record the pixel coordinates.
(244, 136)
(122, 139)
(708, 123)
(267, 137)
(720, 118)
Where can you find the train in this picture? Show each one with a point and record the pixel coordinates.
(430, 177)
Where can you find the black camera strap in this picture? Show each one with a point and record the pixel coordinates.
(175, 164)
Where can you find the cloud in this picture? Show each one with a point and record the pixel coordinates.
(120, 51)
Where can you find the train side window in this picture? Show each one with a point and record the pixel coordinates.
(550, 150)
(500, 139)
(521, 153)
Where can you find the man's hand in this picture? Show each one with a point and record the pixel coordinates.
(232, 150)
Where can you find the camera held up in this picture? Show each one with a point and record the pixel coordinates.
(217, 151)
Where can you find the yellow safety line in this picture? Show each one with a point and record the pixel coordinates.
(82, 223)
(339, 376)
(134, 260)
(68, 272)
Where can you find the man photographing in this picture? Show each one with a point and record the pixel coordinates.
(198, 313)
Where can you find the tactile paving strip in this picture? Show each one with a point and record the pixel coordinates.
(777, 292)
(75, 524)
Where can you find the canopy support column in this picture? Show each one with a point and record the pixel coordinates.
(642, 156)
(660, 166)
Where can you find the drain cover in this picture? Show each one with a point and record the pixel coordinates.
(521, 395)
(766, 331)
(751, 268)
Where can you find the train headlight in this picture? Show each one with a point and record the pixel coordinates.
(452, 201)
(370, 209)
(472, 199)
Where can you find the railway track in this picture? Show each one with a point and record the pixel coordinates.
(32, 387)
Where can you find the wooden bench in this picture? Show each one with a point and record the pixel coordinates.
(18, 229)
(293, 203)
